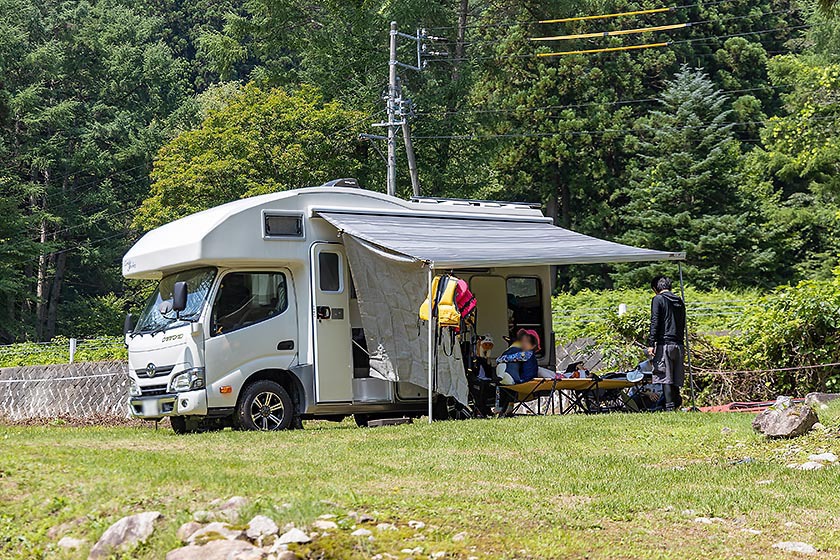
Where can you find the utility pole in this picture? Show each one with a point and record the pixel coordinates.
(399, 109)
(391, 105)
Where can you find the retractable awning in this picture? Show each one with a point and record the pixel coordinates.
(468, 242)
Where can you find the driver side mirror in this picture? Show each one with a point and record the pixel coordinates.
(130, 323)
(179, 296)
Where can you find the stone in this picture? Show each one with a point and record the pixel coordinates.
(324, 525)
(416, 525)
(819, 427)
(218, 550)
(125, 534)
(703, 520)
(827, 457)
(328, 516)
(294, 535)
(187, 530)
(810, 466)
(361, 533)
(203, 516)
(751, 531)
(795, 546)
(229, 510)
(785, 423)
(386, 527)
(820, 400)
(365, 518)
(260, 528)
(216, 531)
(459, 537)
(69, 543)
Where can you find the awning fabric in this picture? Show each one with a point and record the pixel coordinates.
(465, 242)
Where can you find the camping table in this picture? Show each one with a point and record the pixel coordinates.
(574, 389)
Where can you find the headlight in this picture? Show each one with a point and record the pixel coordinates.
(134, 389)
(188, 380)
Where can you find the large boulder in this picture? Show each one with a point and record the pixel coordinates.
(785, 422)
(820, 400)
(124, 535)
(218, 550)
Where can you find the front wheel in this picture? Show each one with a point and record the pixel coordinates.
(265, 406)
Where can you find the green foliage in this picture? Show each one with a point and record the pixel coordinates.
(57, 351)
(259, 141)
(683, 194)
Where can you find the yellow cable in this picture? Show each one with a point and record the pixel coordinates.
(611, 33)
(605, 16)
(610, 49)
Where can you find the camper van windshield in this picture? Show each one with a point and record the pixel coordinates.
(199, 281)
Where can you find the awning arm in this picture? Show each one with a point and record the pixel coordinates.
(431, 346)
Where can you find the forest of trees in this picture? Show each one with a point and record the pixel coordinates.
(118, 116)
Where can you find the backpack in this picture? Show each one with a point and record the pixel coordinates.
(454, 302)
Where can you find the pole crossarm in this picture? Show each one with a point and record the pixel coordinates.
(613, 33)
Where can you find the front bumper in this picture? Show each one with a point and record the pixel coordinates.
(190, 403)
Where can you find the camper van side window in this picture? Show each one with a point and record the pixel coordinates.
(525, 305)
(283, 226)
(329, 272)
(246, 298)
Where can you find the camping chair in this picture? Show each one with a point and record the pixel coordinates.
(523, 393)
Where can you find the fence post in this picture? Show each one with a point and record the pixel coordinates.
(72, 349)
(622, 309)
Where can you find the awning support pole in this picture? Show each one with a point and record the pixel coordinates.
(431, 346)
(687, 346)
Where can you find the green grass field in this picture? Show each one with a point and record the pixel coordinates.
(598, 487)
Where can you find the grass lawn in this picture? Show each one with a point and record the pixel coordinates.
(598, 487)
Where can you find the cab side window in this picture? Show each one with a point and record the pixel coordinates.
(247, 298)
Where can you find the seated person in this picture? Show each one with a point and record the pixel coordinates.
(518, 363)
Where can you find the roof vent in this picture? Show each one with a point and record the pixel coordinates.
(349, 182)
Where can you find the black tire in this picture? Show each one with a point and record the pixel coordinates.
(265, 406)
(361, 420)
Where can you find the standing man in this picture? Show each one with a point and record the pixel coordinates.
(666, 341)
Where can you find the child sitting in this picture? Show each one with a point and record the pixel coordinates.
(518, 363)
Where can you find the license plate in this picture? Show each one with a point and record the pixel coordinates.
(150, 408)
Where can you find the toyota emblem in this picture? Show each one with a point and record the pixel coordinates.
(151, 369)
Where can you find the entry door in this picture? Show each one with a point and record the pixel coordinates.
(331, 319)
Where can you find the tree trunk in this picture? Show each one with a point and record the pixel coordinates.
(460, 35)
(55, 294)
(41, 283)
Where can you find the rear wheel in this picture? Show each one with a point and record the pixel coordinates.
(265, 406)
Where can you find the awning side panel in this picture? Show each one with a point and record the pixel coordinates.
(389, 294)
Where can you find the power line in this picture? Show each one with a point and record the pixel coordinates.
(608, 16)
(580, 105)
(607, 49)
(634, 31)
(537, 21)
(669, 43)
(590, 132)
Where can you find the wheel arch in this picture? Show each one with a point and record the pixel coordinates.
(285, 378)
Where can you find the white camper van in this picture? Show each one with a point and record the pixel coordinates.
(303, 304)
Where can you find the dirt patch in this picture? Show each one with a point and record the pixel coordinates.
(76, 421)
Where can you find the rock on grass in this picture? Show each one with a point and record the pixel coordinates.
(795, 546)
(218, 550)
(124, 535)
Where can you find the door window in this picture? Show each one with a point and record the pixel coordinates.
(246, 298)
(329, 272)
(525, 306)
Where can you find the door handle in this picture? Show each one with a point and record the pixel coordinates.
(323, 311)
(286, 345)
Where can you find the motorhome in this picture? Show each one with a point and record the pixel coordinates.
(262, 317)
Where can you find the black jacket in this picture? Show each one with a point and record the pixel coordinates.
(667, 319)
